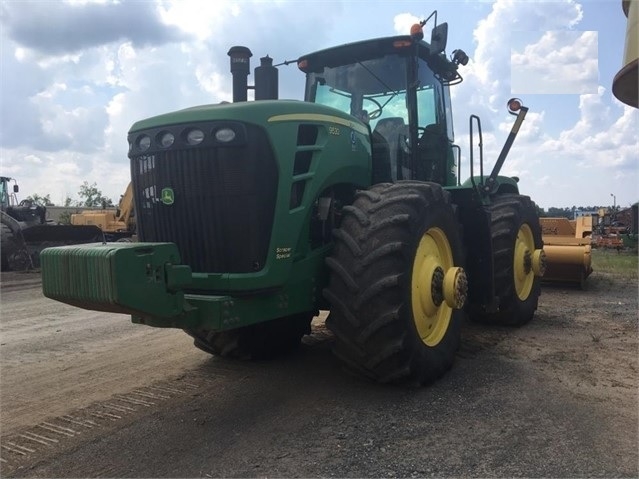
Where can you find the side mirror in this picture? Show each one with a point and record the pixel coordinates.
(438, 39)
(16, 189)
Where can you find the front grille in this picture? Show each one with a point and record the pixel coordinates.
(223, 202)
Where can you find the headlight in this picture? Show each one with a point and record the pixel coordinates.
(194, 137)
(167, 139)
(143, 142)
(224, 135)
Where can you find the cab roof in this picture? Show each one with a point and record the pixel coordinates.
(350, 53)
(359, 51)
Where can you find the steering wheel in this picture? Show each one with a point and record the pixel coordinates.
(377, 112)
(28, 203)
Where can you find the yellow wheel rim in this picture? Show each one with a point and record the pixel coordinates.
(524, 275)
(431, 311)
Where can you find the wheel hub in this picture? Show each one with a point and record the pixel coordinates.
(437, 286)
(527, 261)
(448, 288)
(456, 287)
(539, 262)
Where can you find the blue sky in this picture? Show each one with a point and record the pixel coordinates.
(74, 76)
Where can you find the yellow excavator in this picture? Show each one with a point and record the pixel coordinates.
(118, 225)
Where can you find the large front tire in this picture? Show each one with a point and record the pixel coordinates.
(259, 341)
(518, 260)
(397, 287)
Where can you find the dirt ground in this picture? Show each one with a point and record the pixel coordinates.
(88, 394)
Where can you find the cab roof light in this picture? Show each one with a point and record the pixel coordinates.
(402, 43)
(416, 31)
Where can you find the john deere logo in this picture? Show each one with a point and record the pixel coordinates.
(168, 197)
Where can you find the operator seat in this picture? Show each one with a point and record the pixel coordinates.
(393, 130)
(379, 151)
(381, 159)
(433, 151)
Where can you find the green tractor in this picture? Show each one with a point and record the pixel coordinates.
(255, 215)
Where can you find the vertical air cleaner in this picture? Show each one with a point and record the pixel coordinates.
(240, 69)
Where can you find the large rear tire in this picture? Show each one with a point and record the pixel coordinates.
(516, 239)
(396, 288)
(259, 341)
(5, 246)
(13, 249)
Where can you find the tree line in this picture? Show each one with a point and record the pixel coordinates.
(90, 196)
(569, 213)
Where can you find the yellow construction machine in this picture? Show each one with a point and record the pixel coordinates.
(567, 244)
(118, 225)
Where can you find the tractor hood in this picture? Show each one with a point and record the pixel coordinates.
(259, 112)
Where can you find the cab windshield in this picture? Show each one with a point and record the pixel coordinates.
(375, 89)
(370, 90)
(4, 194)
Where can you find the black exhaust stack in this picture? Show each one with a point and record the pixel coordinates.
(240, 69)
(266, 76)
(266, 80)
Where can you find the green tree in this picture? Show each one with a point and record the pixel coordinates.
(70, 202)
(65, 218)
(40, 200)
(559, 212)
(91, 196)
(540, 211)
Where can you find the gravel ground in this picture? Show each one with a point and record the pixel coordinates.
(556, 398)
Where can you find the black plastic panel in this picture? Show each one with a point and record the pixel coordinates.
(223, 202)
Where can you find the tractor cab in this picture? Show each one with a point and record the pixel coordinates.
(24, 211)
(7, 198)
(399, 87)
(4, 193)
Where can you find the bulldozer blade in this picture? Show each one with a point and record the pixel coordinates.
(62, 234)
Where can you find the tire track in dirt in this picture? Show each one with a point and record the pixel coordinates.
(48, 438)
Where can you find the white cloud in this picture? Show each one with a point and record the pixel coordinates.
(64, 28)
(488, 70)
(599, 151)
(33, 160)
(201, 18)
(560, 62)
(486, 86)
(403, 22)
(600, 137)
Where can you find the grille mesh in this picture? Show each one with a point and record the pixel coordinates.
(224, 203)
